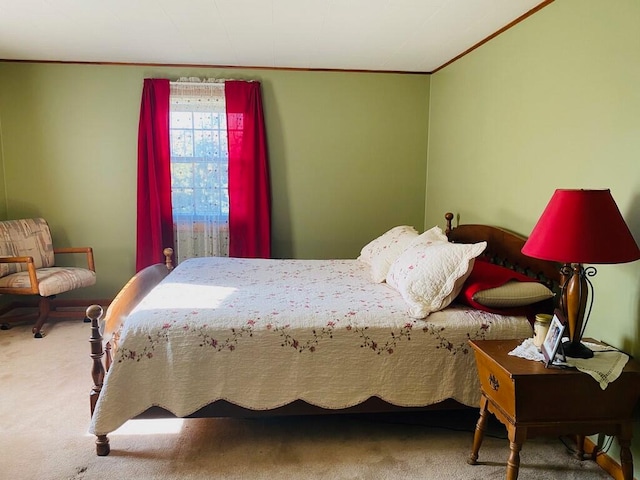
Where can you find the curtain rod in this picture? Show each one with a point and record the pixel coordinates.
(221, 82)
(198, 81)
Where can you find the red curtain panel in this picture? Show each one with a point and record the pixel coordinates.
(249, 191)
(154, 229)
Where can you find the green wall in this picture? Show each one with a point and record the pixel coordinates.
(552, 103)
(347, 156)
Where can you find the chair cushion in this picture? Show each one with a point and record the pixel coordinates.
(52, 280)
(29, 237)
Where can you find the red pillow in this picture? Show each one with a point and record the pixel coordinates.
(487, 275)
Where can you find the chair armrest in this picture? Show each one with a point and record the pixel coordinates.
(33, 278)
(16, 259)
(87, 250)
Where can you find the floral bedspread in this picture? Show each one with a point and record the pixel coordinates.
(263, 333)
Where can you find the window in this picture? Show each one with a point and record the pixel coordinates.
(199, 153)
(199, 169)
(244, 212)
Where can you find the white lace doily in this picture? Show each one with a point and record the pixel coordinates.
(605, 366)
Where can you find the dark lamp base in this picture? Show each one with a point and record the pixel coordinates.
(576, 350)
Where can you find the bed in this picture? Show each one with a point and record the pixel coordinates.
(232, 337)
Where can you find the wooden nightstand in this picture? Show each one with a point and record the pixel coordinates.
(532, 400)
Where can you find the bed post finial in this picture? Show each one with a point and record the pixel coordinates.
(449, 217)
(168, 254)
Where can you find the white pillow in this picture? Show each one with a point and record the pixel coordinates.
(381, 252)
(429, 277)
(434, 234)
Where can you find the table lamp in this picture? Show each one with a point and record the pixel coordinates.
(578, 227)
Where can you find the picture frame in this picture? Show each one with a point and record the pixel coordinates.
(552, 345)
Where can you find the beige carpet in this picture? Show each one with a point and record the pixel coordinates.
(44, 412)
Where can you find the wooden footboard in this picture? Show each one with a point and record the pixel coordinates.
(122, 305)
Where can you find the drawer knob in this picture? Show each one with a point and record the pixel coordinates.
(493, 381)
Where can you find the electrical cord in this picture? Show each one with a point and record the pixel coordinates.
(597, 451)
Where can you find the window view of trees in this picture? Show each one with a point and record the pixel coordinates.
(199, 163)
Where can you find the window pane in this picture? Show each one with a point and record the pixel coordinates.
(182, 201)
(219, 121)
(203, 141)
(181, 120)
(220, 146)
(203, 120)
(181, 143)
(181, 175)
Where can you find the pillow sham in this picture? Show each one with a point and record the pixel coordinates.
(381, 262)
(492, 287)
(434, 234)
(430, 276)
(396, 238)
(381, 252)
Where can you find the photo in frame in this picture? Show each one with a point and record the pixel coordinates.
(552, 344)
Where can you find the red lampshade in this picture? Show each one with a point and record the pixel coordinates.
(582, 226)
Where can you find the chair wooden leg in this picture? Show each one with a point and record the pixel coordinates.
(44, 307)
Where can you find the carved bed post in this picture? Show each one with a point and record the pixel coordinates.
(94, 312)
(449, 217)
(168, 253)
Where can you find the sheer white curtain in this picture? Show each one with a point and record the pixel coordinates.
(199, 168)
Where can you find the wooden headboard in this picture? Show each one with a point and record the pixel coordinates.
(505, 248)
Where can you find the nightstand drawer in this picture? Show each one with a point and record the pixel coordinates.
(496, 383)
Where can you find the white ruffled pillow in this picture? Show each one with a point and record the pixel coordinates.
(381, 252)
(430, 276)
(433, 235)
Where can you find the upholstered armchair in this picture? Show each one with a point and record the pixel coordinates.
(27, 267)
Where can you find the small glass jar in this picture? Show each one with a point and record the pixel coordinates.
(540, 328)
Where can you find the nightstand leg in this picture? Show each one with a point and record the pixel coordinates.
(516, 439)
(478, 436)
(626, 459)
